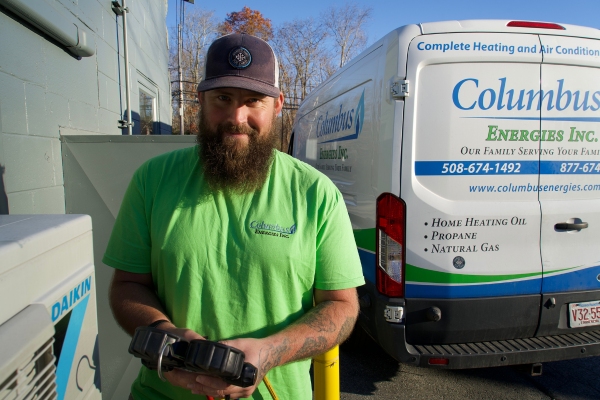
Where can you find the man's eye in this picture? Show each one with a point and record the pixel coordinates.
(223, 98)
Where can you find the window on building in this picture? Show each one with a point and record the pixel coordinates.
(147, 113)
(147, 117)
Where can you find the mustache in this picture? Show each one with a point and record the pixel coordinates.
(228, 127)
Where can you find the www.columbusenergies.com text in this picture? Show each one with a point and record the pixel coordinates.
(534, 187)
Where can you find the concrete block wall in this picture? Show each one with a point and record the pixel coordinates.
(46, 92)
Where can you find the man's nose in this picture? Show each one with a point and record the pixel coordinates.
(239, 115)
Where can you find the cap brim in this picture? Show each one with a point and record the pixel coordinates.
(239, 82)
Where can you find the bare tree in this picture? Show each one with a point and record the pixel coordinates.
(199, 30)
(345, 24)
(301, 48)
(312, 49)
(304, 62)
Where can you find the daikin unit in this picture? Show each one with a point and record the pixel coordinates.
(48, 328)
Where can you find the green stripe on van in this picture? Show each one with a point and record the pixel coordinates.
(416, 274)
(365, 238)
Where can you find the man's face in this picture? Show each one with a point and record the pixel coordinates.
(236, 137)
(236, 110)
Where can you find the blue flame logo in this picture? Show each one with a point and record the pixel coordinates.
(360, 114)
(359, 118)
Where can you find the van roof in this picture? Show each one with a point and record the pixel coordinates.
(473, 25)
(501, 26)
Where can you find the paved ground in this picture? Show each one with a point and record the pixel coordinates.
(368, 372)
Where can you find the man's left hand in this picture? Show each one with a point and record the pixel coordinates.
(258, 352)
(327, 324)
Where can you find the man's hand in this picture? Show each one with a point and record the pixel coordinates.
(134, 303)
(258, 352)
(326, 325)
(180, 377)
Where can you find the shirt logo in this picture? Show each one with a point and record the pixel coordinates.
(265, 228)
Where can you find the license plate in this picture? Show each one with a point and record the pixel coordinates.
(584, 314)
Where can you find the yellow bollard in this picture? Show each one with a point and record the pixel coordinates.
(326, 372)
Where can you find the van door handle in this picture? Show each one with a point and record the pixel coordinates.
(565, 226)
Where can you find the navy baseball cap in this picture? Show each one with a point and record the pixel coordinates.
(241, 61)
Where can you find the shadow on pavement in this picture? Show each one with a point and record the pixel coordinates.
(367, 371)
(362, 364)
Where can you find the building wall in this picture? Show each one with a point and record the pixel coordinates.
(46, 92)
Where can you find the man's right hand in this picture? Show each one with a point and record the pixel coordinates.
(180, 377)
(134, 303)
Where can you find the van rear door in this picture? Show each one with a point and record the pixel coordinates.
(469, 154)
(569, 188)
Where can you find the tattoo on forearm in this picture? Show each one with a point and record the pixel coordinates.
(346, 329)
(326, 323)
(271, 356)
(319, 322)
(311, 347)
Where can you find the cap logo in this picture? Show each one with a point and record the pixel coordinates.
(240, 58)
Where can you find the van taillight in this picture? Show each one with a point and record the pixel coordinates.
(531, 24)
(390, 250)
(439, 361)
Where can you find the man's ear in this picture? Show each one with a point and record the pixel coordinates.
(200, 97)
(279, 103)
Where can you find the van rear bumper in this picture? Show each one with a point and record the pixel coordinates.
(511, 352)
(477, 354)
(493, 353)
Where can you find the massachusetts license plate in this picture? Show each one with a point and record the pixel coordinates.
(584, 314)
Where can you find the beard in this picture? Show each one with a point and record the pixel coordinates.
(229, 166)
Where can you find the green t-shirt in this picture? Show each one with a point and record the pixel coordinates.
(234, 266)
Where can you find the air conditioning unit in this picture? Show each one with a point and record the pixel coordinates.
(48, 325)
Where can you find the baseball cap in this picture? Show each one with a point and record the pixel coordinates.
(241, 61)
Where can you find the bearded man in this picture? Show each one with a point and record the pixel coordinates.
(234, 241)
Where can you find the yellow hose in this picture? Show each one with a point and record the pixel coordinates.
(270, 388)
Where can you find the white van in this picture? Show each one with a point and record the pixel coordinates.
(467, 153)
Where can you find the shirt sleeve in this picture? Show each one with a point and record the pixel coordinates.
(129, 246)
(338, 264)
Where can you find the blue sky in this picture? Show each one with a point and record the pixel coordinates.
(390, 14)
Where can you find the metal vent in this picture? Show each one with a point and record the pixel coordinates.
(35, 378)
(27, 363)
